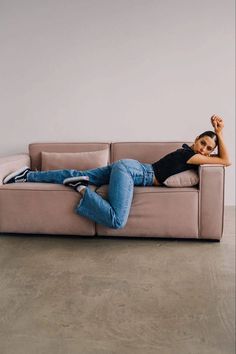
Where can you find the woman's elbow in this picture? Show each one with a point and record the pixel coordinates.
(228, 163)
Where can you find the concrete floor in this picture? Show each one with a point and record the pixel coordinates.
(65, 295)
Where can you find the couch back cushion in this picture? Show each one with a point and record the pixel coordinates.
(36, 149)
(146, 152)
(74, 160)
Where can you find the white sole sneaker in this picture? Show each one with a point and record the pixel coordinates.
(76, 179)
(15, 174)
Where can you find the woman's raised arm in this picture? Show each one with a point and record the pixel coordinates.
(218, 125)
(223, 156)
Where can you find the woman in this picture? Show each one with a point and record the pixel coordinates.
(124, 174)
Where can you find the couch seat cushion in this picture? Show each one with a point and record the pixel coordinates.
(42, 208)
(158, 212)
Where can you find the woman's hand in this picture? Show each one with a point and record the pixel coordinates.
(217, 123)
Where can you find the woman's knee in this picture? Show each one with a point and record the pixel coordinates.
(118, 224)
(118, 221)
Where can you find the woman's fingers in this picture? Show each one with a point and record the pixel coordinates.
(216, 119)
(217, 123)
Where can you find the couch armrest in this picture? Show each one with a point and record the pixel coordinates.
(211, 201)
(11, 163)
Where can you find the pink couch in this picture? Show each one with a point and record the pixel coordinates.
(157, 211)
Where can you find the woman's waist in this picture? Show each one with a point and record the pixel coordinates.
(155, 181)
(151, 173)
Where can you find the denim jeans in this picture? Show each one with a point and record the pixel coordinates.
(121, 176)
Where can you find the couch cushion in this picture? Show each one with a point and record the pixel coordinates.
(35, 150)
(74, 160)
(187, 178)
(146, 152)
(42, 208)
(158, 212)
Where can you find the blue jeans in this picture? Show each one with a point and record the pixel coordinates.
(121, 176)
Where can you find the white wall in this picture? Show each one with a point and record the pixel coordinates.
(108, 70)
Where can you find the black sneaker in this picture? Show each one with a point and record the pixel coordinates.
(75, 182)
(17, 176)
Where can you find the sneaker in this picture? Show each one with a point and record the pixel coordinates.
(75, 182)
(17, 176)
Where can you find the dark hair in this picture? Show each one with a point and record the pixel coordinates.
(211, 134)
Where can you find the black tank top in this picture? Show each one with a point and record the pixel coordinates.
(173, 163)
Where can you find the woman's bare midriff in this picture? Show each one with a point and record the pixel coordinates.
(155, 181)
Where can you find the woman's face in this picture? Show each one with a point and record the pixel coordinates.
(204, 145)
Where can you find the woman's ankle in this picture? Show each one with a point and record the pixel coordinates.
(81, 190)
